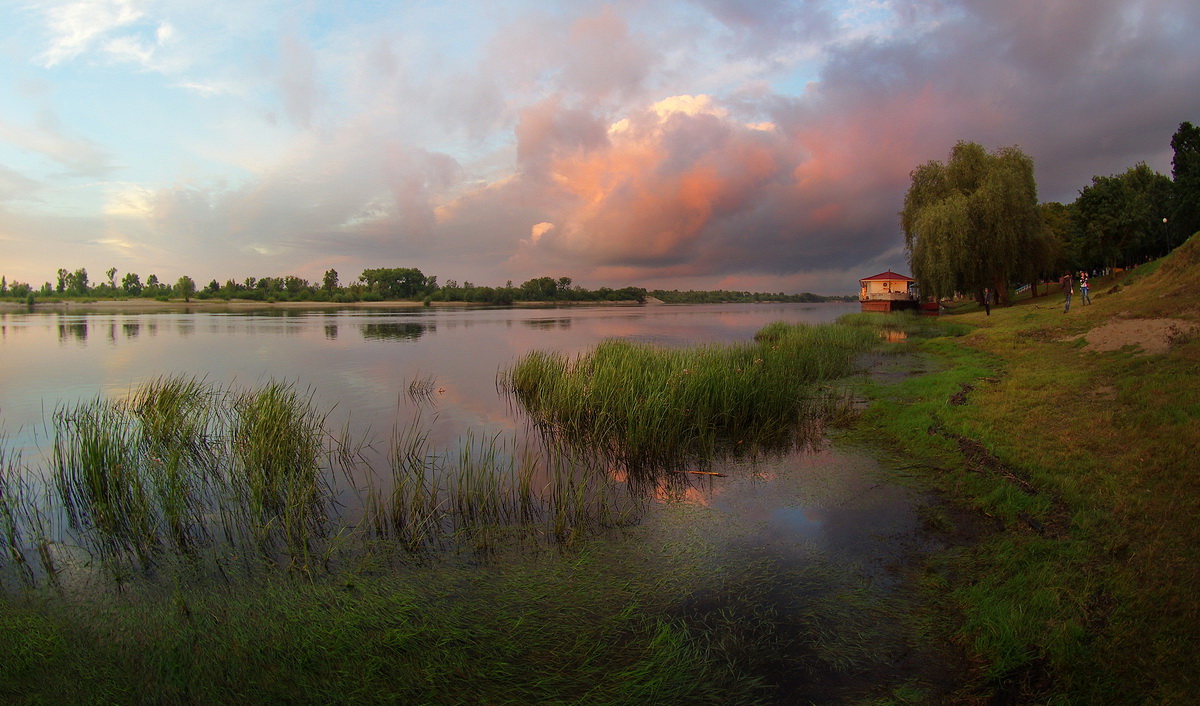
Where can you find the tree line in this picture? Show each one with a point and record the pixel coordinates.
(376, 284)
(974, 221)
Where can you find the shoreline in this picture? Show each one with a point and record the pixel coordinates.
(151, 305)
(155, 305)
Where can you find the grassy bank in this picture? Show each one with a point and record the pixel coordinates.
(1077, 449)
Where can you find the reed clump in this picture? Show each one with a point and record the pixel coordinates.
(278, 448)
(647, 406)
(490, 489)
(18, 519)
(181, 463)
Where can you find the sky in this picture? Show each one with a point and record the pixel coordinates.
(676, 144)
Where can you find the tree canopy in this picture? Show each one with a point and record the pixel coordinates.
(973, 222)
(1120, 218)
(1185, 172)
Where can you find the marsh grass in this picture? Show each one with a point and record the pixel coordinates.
(646, 407)
(279, 442)
(22, 524)
(491, 490)
(183, 466)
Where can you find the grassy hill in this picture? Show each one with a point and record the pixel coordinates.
(1074, 437)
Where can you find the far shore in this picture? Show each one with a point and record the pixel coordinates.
(150, 305)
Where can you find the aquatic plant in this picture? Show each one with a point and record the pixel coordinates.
(182, 463)
(277, 450)
(646, 406)
(489, 489)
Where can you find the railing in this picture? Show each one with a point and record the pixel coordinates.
(888, 296)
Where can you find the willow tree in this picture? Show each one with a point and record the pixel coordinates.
(973, 222)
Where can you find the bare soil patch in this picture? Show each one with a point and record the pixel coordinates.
(1151, 335)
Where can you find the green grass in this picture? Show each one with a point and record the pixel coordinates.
(489, 492)
(647, 407)
(540, 629)
(1081, 469)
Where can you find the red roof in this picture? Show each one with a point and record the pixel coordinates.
(888, 275)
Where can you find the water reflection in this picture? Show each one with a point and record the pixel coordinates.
(406, 331)
(548, 323)
(73, 330)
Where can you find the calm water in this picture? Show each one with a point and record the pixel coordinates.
(357, 363)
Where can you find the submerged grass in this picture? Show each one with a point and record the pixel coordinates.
(181, 467)
(540, 630)
(490, 490)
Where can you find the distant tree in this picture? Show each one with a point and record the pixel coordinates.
(112, 277)
(972, 222)
(1118, 219)
(77, 281)
(396, 282)
(152, 285)
(62, 280)
(132, 284)
(294, 285)
(3, 285)
(1185, 172)
(330, 281)
(186, 288)
(539, 289)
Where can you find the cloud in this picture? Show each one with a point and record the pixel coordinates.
(649, 191)
(297, 80)
(76, 26)
(78, 156)
(684, 142)
(15, 186)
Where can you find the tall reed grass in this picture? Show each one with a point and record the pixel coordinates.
(490, 489)
(182, 468)
(19, 520)
(648, 407)
(185, 465)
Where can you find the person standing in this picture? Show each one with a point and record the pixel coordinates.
(1068, 285)
(987, 301)
(1083, 289)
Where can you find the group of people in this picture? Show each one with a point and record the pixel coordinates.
(1069, 285)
